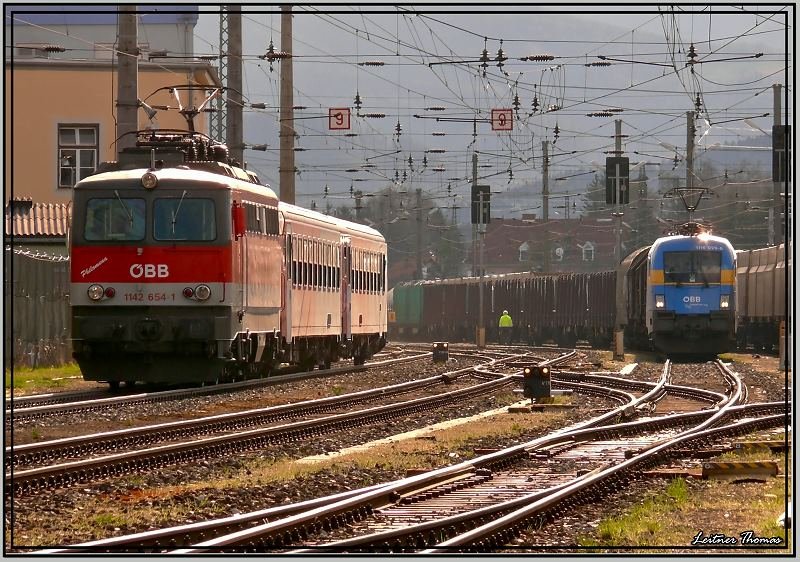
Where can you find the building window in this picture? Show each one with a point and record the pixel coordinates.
(77, 153)
(523, 252)
(588, 251)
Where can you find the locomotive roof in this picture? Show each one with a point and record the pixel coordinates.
(185, 175)
(682, 242)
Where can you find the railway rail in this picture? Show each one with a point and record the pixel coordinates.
(437, 491)
(40, 406)
(89, 469)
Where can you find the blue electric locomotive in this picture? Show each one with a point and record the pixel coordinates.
(682, 297)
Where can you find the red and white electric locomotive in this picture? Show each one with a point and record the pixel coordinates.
(185, 268)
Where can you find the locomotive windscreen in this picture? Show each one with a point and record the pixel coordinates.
(184, 219)
(114, 218)
(692, 267)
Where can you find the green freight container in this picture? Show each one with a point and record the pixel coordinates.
(408, 304)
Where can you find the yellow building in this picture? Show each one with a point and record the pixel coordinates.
(61, 118)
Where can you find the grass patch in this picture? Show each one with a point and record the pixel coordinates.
(674, 516)
(41, 379)
(644, 523)
(107, 520)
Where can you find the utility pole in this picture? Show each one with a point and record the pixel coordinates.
(127, 77)
(546, 206)
(618, 214)
(418, 274)
(619, 332)
(234, 136)
(474, 226)
(775, 210)
(689, 149)
(287, 113)
(217, 130)
(481, 336)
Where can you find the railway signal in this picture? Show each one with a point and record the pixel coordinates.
(536, 381)
(440, 352)
(617, 180)
(481, 204)
(781, 153)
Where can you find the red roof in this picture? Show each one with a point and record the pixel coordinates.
(26, 219)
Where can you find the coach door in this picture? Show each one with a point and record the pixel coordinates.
(346, 294)
(239, 222)
(288, 277)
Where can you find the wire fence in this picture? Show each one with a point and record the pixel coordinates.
(36, 305)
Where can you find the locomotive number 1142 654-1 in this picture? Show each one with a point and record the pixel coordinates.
(149, 297)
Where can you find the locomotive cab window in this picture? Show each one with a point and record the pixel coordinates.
(184, 219)
(692, 267)
(114, 218)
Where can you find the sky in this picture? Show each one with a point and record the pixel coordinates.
(426, 74)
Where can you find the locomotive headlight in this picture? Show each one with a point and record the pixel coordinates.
(202, 292)
(659, 301)
(527, 372)
(149, 180)
(724, 301)
(95, 292)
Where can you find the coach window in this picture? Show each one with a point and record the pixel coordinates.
(325, 266)
(371, 273)
(310, 264)
(271, 220)
(382, 274)
(264, 220)
(368, 273)
(317, 266)
(77, 153)
(337, 269)
(299, 262)
(114, 219)
(587, 251)
(306, 259)
(314, 262)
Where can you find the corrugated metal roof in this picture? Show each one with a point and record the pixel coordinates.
(36, 220)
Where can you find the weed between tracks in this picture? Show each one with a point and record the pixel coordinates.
(26, 380)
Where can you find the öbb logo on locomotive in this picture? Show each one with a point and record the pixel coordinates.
(149, 270)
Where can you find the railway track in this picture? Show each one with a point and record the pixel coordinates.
(195, 442)
(40, 406)
(510, 481)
